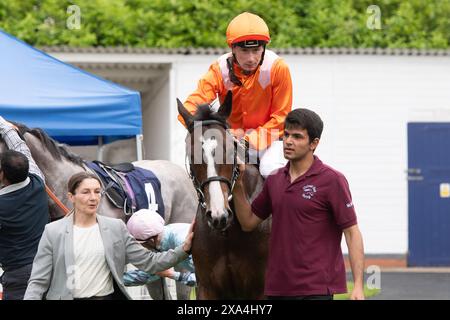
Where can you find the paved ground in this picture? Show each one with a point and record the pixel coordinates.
(414, 284)
(395, 283)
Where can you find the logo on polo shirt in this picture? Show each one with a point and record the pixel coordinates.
(308, 191)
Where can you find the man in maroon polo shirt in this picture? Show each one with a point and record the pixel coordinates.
(311, 207)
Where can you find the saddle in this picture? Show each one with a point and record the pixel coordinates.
(130, 188)
(121, 167)
(116, 189)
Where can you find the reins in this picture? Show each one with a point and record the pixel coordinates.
(56, 200)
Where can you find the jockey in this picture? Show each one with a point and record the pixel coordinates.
(148, 228)
(262, 90)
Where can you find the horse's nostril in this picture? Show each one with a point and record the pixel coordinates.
(220, 222)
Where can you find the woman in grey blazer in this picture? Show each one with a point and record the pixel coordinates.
(83, 256)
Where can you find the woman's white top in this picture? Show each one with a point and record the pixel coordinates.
(91, 275)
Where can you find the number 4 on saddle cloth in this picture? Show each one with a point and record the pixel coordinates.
(130, 188)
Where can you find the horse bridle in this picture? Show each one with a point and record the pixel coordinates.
(200, 186)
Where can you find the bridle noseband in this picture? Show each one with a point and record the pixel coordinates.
(200, 186)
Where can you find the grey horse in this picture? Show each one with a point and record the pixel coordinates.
(58, 164)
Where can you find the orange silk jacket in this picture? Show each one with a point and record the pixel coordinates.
(261, 103)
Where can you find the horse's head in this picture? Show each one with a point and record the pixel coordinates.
(212, 153)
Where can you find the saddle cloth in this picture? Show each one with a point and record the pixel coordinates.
(130, 188)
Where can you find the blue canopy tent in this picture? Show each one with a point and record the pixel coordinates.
(71, 105)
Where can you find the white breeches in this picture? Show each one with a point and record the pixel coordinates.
(270, 159)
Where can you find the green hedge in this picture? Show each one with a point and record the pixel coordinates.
(202, 23)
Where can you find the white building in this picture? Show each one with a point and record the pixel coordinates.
(366, 97)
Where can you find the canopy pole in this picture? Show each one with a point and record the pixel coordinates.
(100, 149)
(139, 138)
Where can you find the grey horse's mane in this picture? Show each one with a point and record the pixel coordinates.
(56, 149)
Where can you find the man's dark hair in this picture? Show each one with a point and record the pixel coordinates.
(305, 119)
(15, 166)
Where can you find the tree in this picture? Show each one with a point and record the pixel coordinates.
(202, 23)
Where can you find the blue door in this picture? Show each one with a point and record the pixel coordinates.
(429, 194)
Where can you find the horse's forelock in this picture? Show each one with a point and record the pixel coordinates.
(205, 112)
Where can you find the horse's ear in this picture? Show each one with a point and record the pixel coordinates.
(226, 107)
(185, 114)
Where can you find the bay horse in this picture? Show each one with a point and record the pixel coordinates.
(229, 263)
(58, 164)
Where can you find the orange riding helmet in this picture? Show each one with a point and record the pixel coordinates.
(247, 26)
